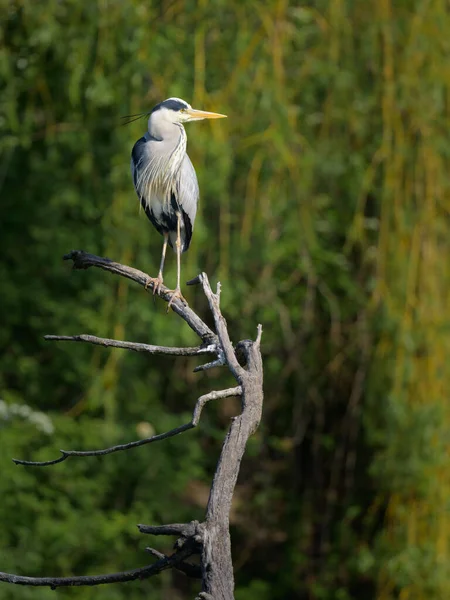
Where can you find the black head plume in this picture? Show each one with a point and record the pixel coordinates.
(132, 118)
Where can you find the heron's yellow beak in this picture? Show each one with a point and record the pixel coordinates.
(198, 115)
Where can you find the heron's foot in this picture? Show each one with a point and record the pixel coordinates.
(156, 282)
(176, 295)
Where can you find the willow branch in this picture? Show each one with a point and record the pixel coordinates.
(65, 454)
(136, 347)
(84, 260)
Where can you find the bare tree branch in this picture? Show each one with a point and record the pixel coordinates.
(92, 339)
(218, 583)
(143, 573)
(179, 529)
(154, 438)
(84, 260)
(190, 570)
(221, 327)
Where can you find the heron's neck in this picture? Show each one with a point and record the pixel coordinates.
(180, 149)
(172, 137)
(169, 142)
(164, 131)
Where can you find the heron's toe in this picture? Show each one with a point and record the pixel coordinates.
(155, 282)
(157, 285)
(176, 295)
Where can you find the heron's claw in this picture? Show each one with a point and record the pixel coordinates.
(157, 283)
(175, 295)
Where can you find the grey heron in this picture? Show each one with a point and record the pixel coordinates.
(165, 179)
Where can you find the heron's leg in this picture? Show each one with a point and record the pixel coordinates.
(157, 281)
(163, 256)
(178, 245)
(177, 291)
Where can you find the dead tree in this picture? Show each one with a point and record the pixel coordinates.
(210, 538)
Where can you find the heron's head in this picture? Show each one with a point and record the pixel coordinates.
(175, 110)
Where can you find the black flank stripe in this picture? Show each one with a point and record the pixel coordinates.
(187, 231)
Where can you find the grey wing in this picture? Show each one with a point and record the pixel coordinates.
(136, 159)
(139, 170)
(188, 192)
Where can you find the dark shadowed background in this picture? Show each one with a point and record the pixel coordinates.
(325, 214)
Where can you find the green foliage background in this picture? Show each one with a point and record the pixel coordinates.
(325, 214)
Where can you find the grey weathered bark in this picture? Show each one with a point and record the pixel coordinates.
(211, 538)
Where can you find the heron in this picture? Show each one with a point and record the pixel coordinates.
(165, 179)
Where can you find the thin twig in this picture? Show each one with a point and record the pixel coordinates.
(84, 260)
(154, 438)
(220, 362)
(156, 553)
(135, 346)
